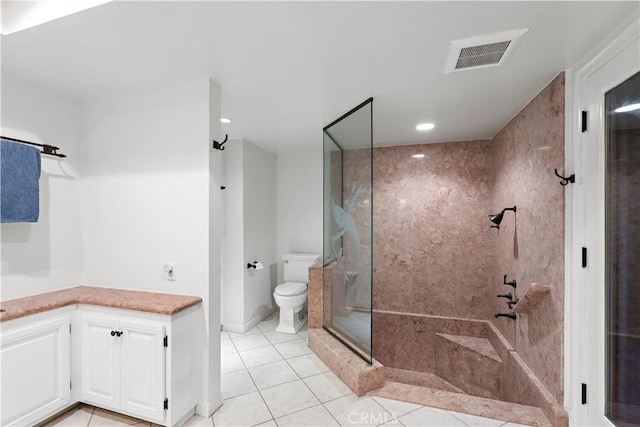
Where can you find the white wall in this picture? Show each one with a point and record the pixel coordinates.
(259, 232)
(145, 189)
(232, 287)
(250, 235)
(299, 220)
(146, 200)
(46, 255)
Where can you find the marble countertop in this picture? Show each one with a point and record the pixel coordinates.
(150, 302)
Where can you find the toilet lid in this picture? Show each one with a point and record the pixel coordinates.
(289, 289)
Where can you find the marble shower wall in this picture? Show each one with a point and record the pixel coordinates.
(433, 249)
(357, 197)
(435, 253)
(530, 245)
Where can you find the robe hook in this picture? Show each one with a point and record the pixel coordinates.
(565, 180)
(219, 145)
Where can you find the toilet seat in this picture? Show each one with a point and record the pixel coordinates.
(289, 289)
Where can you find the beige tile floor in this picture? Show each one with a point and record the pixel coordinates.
(273, 379)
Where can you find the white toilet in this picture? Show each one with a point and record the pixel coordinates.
(292, 294)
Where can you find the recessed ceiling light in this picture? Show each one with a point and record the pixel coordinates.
(225, 120)
(418, 156)
(425, 126)
(627, 108)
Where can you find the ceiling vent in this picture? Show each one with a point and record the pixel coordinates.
(483, 51)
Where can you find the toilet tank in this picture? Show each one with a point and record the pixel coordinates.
(296, 266)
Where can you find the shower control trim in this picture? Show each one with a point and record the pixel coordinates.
(511, 316)
(512, 283)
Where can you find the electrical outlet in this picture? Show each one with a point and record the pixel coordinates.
(170, 270)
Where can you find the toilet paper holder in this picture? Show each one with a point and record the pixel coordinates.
(255, 265)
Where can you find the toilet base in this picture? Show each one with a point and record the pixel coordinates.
(290, 321)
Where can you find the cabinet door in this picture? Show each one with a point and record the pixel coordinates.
(35, 371)
(143, 369)
(99, 360)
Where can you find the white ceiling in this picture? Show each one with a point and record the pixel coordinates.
(287, 69)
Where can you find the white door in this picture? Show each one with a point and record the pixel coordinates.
(99, 360)
(611, 336)
(142, 368)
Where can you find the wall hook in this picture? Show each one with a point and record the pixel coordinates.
(570, 179)
(219, 145)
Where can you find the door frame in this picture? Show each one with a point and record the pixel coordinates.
(577, 232)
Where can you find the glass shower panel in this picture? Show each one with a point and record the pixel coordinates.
(623, 253)
(348, 236)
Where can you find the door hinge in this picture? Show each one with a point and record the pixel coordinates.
(166, 403)
(584, 257)
(165, 341)
(583, 120)
(69, 327)
(584, 394)
(70, 385)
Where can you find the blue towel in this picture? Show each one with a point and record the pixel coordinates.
(19, 182)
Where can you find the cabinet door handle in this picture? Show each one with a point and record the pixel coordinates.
(118, 333)
(113, 333)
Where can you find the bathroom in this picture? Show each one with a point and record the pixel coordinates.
(138, 203)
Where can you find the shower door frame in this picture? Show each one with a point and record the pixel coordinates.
(355, 349)
(584, 358)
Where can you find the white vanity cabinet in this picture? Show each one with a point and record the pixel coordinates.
(139, 364)
(123, 363)
(144, 364)
(35, 355)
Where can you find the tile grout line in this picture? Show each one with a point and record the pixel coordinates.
(480, 416)
(93, 409)
(307, 385)
(301, 379)
(256, 386)
(398, 417)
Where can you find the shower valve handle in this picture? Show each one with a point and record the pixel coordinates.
(507, 296)
(512, 283)
(511, 316)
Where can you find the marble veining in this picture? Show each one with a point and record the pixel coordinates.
(433, 250)
(150, 302)
(529, 246)
(471, 355)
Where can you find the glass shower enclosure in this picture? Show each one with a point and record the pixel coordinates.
(348, 228)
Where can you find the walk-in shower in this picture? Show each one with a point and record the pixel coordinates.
(426, 308)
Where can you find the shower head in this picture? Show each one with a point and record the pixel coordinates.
(497, 218)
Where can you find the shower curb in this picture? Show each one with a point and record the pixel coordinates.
(357, 374)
